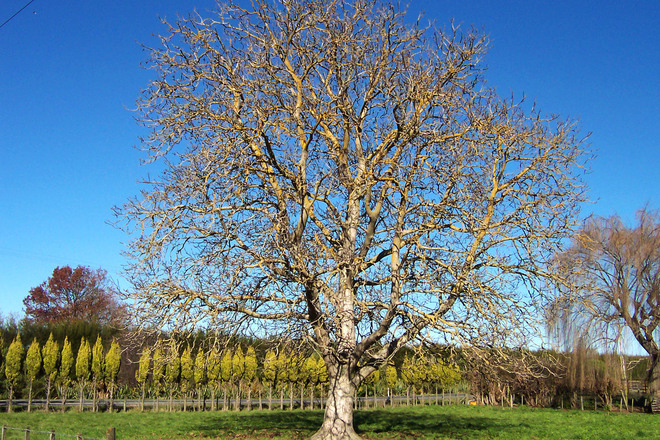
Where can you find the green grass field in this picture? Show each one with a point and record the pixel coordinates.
(419, 423)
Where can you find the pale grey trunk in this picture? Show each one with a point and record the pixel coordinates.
(311, 398)
(338, 419)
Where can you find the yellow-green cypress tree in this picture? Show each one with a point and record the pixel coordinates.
(282, 373)
(13, 362)
(200, 375)
(64, 376)
(172, 372)
(82, 369)
(213, 375)
(390, 379)
(250, 373)
(237, 371)
(157, 372)
(50, 353)
(32, 368)
(312, 376)
(97, 368)
(407, 373)
(112, 365)
(187, 375)
(270, 374)
(226, 375)
(142, 374)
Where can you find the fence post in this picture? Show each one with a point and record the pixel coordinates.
(27, 433)
(110, 434)
(51, 436)
(79, 436)
(3, 432)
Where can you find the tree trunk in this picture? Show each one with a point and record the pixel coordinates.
(81, 397)
(653, 376)
(237, 398)
(270, 396)
(30, 396)
(112, 396)
(311, 398)
(94, 397)
(65, 389)
(144, 385)
(48, 385)
(11, 397)
(338, 418)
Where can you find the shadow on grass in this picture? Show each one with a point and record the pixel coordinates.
(427, 423)
(402, 421)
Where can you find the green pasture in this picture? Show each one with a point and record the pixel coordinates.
(419, 423)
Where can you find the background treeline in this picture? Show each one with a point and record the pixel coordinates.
(582, 378)
(87, 362)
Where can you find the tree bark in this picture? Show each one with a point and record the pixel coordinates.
(48, 385)
(653, 376)
(338, 419)
(270, 396)
(29, 408)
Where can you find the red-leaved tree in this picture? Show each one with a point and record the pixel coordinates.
(75, 294)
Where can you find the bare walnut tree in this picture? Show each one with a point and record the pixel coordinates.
(613, 283)
(336, 173)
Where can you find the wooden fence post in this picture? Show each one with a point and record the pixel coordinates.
(79, 436)
(27, 433)
(51, 436)
(110, 434)
(3, 432)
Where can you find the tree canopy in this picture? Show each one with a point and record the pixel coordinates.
(338, 173)
(80, 294)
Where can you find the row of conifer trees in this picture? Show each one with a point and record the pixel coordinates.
(174, 371)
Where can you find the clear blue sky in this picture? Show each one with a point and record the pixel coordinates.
(70, 73)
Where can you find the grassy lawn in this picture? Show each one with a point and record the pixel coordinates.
(419, 423)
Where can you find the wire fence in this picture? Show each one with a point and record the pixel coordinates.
(10, 433)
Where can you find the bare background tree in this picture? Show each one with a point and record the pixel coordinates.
(342, 176)
(613, 283)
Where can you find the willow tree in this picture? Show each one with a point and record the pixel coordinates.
(613, 283)
(333, 170)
